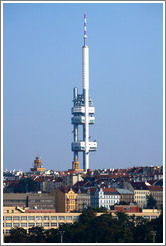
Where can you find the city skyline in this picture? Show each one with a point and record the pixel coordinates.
(42, 64)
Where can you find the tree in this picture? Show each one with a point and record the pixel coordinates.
(157, 225)
(142, 231)
(25, 185)
(36, 234)
(87, 215)
(151, 202)
(17, 235)
(52, 235)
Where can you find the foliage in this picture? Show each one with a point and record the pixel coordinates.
(25, 185)
(36, 234)
(151, 202)
(17, 235)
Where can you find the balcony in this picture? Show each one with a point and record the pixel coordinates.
(80, 146)
(81, 110)
(81, 120)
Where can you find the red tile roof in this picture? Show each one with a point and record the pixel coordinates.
(155, 188)
(110, 191)
(93, 189)
(40, 211)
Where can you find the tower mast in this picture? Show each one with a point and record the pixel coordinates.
(83, 111)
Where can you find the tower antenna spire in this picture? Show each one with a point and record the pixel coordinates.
(85, 37)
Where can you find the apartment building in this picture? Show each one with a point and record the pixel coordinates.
(66, 200)
(125, 195)
(104, 197)
(72, 179)
(157, 193)
(141, 192)
(83, 198)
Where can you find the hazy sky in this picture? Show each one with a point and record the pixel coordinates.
(43, 63)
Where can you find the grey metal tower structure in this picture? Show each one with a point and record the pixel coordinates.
(83, 112)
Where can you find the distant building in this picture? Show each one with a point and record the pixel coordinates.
(141, 192)
(66, 200)
(72, 179)
(83, 198)
(157, 193)
(104, 197)
(126, 195)
(37, 166)
(127, 208)
(30, 200)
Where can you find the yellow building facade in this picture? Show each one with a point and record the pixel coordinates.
(140, 197)
(17, 217)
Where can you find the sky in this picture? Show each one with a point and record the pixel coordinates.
(42, 63)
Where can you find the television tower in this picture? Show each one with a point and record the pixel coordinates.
(83, 112)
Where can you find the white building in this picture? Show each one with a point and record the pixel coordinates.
(104, 197)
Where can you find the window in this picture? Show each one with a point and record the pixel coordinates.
(146, 217)
(54, 224)
(68, 217)
(23, 217)
(61, 224)
(23, 224)
(38, 217)
(153, 217)
(76, 217)
(53, 217)
(46, 217)
(128, 208)
(61, 217)
(12, 211)
(8, 217)
(31, 217)
(38, 224)
(46, 224)
(7, 231)
(8, 224)
(16, 218)
(31, 224)
(15, 224)
(7, 211)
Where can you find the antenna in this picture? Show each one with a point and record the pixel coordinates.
(85, 37)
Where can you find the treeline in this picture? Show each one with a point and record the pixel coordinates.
(91, 229)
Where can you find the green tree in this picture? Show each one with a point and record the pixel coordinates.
(36, 234)
(157, 225)
(17, 235)
(87, 215)
(52, 235)
(25, 185)
(143, 231)
(151, 202)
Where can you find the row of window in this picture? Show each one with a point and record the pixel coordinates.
(109, 201)
(111, 197)
(30, 224)
(47, 200)
(40, 218)
(141, 192)
(52, 224)
(71, 202)
(142, 197)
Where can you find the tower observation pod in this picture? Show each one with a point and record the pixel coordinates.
(83, 112)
